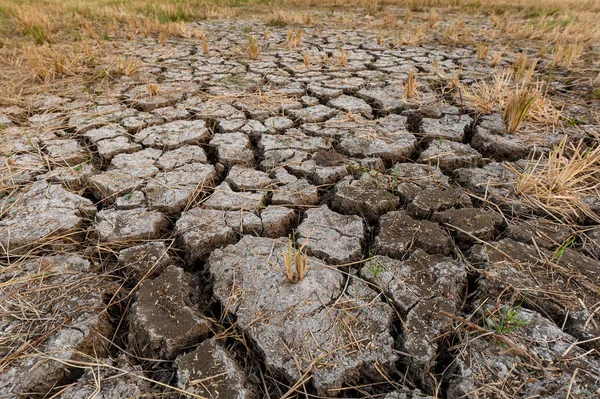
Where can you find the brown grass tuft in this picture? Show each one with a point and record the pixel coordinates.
(558, 183)
(517, 106)
(295, 262)
(252, 47)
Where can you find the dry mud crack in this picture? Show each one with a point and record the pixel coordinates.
(144, 230)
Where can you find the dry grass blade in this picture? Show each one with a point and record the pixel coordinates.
(517, 107)
(487, 96)
(294, 37)
(559, 183)
(342, 57)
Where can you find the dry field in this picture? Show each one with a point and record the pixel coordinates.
(244, 199)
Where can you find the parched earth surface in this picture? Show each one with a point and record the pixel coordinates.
(143, 234)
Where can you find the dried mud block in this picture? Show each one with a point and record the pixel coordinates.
(246, 179)
(433, 200)
(173, 135)
(143, 99)
(69, 324)
(108, 148)
(389, 146)
(295, 326)
(541, 232)
(420, 287)
(187, 154)
(44, 216)
(174, 190)
(351, 104)
(165, 318)
(220, 373)
(298, 193)
(398, 234)
(146, 260)
(336, 238)
(493, 141)
(317, 113)
(450, 155)
(224, 198)
(65, 152)
(410, 180)
(363, 198)
(449, 127)
(560, 283)
(540, 361)
(19, 169)
(121, 227)
(200, 231)
(233, 149)
(470, 225)
(108, 186)
(114, 384)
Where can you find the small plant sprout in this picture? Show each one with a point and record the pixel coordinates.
(342, 57)
(508, 321)
(375, 265)
(295, 261)
(294, 37)
(517, 107)
(411, 85)
(560, 251)
(252, 47)
(204, 46)
(153, 89)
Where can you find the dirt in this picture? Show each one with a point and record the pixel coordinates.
(144, 237)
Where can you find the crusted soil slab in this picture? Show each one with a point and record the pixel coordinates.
(294, 326)
(559, 283)
(336, 238)
(45, 215)
(64, 320)
(127, 226)
(363, 198)
(420, 287)
(470, 225)
(399, 234)
(146, 260)
(165, 317)
(174, 134)
(211, 371)
(541, 361)
(127, 382)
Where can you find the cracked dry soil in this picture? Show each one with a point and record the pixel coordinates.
(143, 234)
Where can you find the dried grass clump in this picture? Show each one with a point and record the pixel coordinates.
(342, 57)
(48, 63)
(567, 55)
(295, 262)
(559, 182)
(294, 37)
(411, 87)
(517, 106)
(252, 47)
(487, 96)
